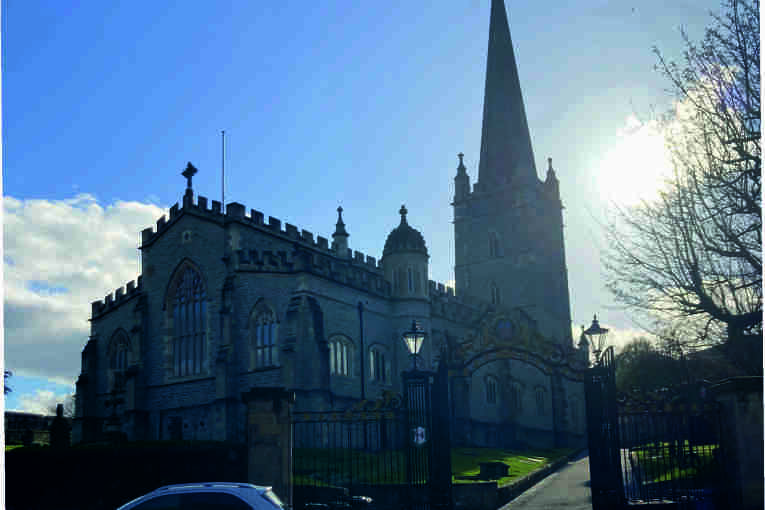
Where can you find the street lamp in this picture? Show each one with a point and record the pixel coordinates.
(413, 340)
(597, 338)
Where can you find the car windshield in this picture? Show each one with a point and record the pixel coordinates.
(273, 498)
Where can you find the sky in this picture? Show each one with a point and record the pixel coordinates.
(359, 104)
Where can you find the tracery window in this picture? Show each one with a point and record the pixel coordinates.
(189, 324)
(265, 331)
(118, 354)
(379, 367)
(340, 355)
(495, 297)
(490, 384)
(540, 393)
(515, 397)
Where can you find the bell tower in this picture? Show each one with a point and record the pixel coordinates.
(508, 230)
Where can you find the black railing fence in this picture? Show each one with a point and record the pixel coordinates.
(661, 446)
(347, 449)
(671, 456)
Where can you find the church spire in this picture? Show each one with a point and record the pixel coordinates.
(506, 151)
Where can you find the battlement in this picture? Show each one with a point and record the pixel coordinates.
(236, 212)
(118, 297)
(359, 272)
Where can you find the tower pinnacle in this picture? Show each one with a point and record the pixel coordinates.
(506, 151)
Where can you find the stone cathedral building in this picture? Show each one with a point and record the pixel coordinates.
(229, 300)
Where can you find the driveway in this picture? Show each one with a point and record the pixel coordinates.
(567, 488)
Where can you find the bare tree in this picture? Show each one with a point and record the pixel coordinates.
(693, 257)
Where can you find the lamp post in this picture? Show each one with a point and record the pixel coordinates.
(597, 338)
(413, 340)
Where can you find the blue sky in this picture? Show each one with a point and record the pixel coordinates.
(364, 104)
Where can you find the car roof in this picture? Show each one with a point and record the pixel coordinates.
(208, 485)
(228, 487)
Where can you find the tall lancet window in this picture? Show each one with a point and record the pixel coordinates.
(189, 324)
(265, 332)
(495, 297)
(118, 354)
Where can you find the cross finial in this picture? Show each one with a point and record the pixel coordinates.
(188, 173)
(403, 212)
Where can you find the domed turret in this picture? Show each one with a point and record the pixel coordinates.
(404, 239)
(405, 261)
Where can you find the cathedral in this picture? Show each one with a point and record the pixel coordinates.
(230, 300)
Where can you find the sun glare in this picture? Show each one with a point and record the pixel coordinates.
(636, 166)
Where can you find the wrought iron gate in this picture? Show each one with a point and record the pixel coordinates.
(394, 450)
(662, 446)
(603, 434)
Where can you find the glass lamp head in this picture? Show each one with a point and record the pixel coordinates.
(414, 338)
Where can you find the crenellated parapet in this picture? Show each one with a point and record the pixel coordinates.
(446, 303)
(117, 298)
(236, 212)
(359, 272)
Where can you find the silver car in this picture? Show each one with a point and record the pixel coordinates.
(207, 496)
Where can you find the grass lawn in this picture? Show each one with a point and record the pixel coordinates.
(327, 467)
(657, 463)
(12, 446)
(466, 462)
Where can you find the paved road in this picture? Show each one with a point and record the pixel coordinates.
(568, 488)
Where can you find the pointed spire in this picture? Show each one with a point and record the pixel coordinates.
(550, 170)
(340, 226)
(340, 237)
(506, 151)
(461, 167)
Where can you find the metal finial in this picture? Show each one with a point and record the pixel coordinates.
(549, 164)
(340, 214)
(460, 155)
(403, 212)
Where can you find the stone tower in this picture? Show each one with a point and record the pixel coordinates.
(508, 230)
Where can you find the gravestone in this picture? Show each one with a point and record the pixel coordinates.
(60, 430)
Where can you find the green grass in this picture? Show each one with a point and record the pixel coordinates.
(322, 467)
(466, 462)
(12, 447)
(656, 463)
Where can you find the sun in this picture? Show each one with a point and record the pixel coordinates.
(635, 168)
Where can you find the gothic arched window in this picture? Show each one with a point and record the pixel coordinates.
(540, 394)
(340, 356)
(490, 384)
(515, 397)
(379, 365)
(264, 329)
(495, 297)
(189, 324)
(118, 359)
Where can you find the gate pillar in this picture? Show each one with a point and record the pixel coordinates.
(741, 405)
(269, 439)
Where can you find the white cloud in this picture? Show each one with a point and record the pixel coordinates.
(40, 402)
(60, 255)
(618, 337)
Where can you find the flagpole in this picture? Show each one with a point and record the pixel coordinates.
(223, 171)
